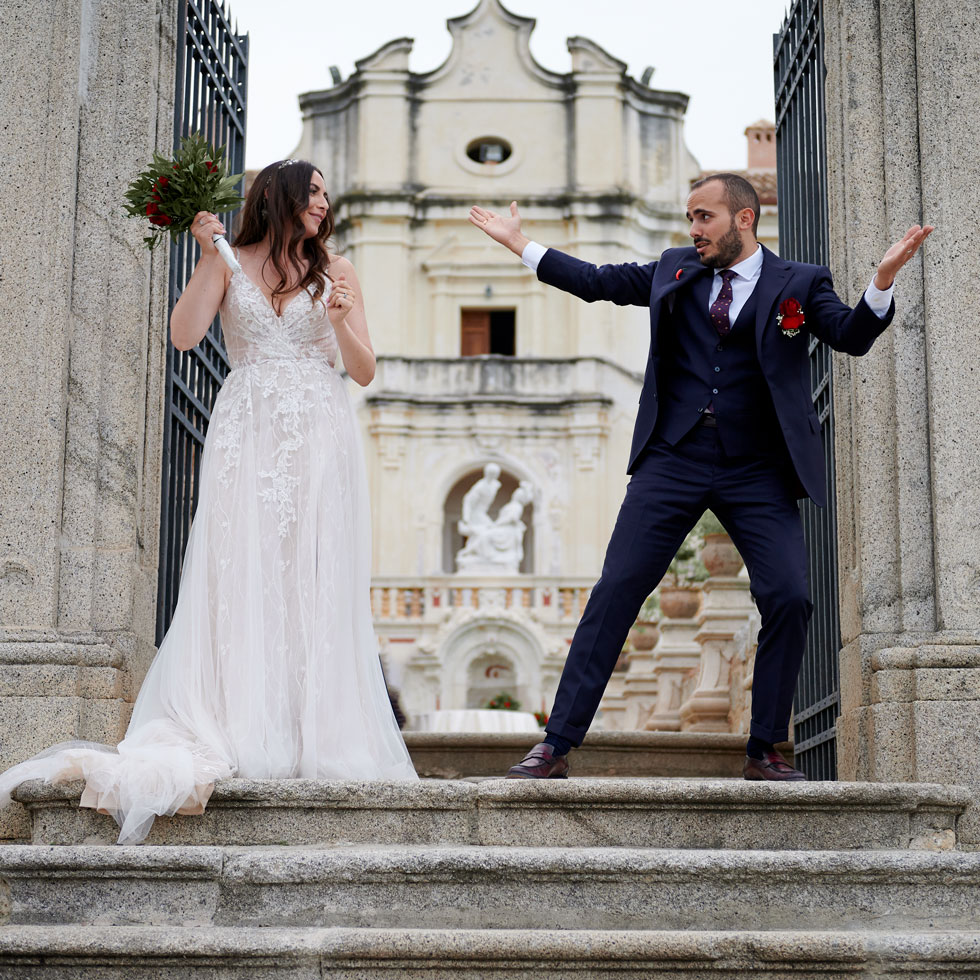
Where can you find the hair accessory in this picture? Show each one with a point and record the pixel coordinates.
(287, 163)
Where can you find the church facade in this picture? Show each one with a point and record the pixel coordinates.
(479, 365)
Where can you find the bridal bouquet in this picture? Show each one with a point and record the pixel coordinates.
(171, 191)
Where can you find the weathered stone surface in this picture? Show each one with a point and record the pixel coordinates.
(718, 814)
(901, 111)
(681, 754)
(149, 886)
(503, 954)
(85, 97)
(15, 823)
(492, 887)
(575, 813)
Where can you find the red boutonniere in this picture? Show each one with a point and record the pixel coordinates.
(790, 317)
(679, 271)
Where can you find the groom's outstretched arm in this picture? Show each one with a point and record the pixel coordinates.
(853, 331)
(627, 284)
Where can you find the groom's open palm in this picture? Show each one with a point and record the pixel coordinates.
(503, 229)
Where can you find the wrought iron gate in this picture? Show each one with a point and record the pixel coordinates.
(212, 73)
(803, 237)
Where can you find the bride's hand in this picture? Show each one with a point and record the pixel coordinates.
(341, 300)
(205, 225)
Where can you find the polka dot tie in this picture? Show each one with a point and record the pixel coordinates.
(719, 308)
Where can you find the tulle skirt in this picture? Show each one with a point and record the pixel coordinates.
(270, 668)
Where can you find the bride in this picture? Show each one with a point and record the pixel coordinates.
(270, 667)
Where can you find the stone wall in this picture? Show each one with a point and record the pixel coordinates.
(86, 93)
(902, 121)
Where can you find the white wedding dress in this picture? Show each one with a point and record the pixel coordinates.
(270, 667)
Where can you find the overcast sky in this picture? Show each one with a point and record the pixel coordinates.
(717, 51)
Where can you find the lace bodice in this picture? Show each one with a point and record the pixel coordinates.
(253, 332)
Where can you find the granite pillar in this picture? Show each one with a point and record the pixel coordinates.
(903, 121)
(86, 94)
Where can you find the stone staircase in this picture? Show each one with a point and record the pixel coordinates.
(459, 755)
(590, 877)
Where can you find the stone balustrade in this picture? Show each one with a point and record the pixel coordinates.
(697, 677)
(403, 601)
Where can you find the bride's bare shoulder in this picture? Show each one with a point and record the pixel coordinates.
(338, 264)
(249, 251)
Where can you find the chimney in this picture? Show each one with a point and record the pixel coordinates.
(761, 138)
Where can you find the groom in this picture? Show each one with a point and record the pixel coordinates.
(725, 422)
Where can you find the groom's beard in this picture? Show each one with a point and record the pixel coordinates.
(729, 248)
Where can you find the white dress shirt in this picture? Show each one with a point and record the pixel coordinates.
(747, 274)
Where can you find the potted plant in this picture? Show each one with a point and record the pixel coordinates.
(644, 633)
(718, 554)
(680, 597)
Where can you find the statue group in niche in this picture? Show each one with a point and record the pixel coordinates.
(492, 544)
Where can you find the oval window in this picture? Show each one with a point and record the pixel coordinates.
(490, 150)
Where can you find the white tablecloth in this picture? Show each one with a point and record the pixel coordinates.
(476, 720)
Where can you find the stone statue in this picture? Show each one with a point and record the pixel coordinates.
(494, 546)
(477, 501)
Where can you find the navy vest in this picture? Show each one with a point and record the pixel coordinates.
(697, 367)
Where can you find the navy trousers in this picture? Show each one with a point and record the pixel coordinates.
(671, 486)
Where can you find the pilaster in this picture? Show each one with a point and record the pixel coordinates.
(902, 115)
(89, 88)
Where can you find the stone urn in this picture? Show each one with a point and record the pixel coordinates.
(644, 635)
(720, 556)
(679, 601)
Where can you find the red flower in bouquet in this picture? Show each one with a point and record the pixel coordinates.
(171, 191)
(790, 317)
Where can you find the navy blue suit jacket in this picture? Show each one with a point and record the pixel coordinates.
(784, 360)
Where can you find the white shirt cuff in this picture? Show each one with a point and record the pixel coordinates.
(879, 300)
(533, 253)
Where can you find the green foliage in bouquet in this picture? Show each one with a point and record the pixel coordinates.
(171, 191)
(504, 702)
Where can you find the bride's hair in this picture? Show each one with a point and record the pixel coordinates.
(278, 196)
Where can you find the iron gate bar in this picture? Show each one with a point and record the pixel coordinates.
(210, 97)
(816, 707)
(803, 236)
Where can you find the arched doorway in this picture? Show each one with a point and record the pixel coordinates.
(491, 655)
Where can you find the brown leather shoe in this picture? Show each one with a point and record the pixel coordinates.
(540, 763)
(771, 766)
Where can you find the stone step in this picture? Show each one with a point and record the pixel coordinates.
(166, 953)
(562, 813)
(489, 887)
(690, 755)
